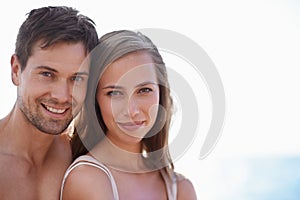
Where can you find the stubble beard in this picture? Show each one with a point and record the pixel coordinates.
(34, 116)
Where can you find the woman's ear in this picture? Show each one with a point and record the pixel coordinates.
(15, 69)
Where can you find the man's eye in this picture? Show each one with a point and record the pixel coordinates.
(77, 78)
(47, 74)
(114, 93)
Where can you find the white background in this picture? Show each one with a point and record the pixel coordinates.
(255, 46)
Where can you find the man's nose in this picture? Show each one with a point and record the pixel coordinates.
(61, 91)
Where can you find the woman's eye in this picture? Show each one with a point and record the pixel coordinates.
(145, 90)
(114, 93)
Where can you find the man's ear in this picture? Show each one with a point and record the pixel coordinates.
(15, 69)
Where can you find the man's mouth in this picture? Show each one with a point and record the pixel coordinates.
(55, 110)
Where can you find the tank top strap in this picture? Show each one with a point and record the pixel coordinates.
(89, 160)
(171, 179)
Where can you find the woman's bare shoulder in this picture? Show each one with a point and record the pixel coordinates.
(185, 189)
(87, 182)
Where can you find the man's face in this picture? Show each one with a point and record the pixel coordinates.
(45, 87)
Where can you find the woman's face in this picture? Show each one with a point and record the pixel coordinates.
(128, 97)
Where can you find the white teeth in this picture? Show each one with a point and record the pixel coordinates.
(58, 111)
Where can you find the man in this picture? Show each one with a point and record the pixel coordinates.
(34, 154)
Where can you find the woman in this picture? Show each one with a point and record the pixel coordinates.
(124, 127)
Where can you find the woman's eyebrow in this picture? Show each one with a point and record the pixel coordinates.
(146, 83)
(138, 85)
(112, 87)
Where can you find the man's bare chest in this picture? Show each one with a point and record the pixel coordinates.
(18, 181)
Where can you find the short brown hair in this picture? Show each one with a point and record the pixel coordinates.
(52, 25)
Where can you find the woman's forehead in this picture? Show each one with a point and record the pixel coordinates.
(132, 68)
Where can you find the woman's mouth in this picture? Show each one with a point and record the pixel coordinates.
(131, 126)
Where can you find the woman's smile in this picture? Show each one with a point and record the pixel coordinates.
(131, 126)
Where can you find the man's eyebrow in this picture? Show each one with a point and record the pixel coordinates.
(47, 68)
(54, 70)
(81, 74)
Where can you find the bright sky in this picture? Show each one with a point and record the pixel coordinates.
(255, 46)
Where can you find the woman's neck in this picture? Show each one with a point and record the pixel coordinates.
(118, 158)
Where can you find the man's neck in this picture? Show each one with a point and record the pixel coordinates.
(31, 162)
(22, 139)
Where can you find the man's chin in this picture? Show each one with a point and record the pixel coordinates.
(54, 129)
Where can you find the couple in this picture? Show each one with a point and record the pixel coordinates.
(118, 91)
